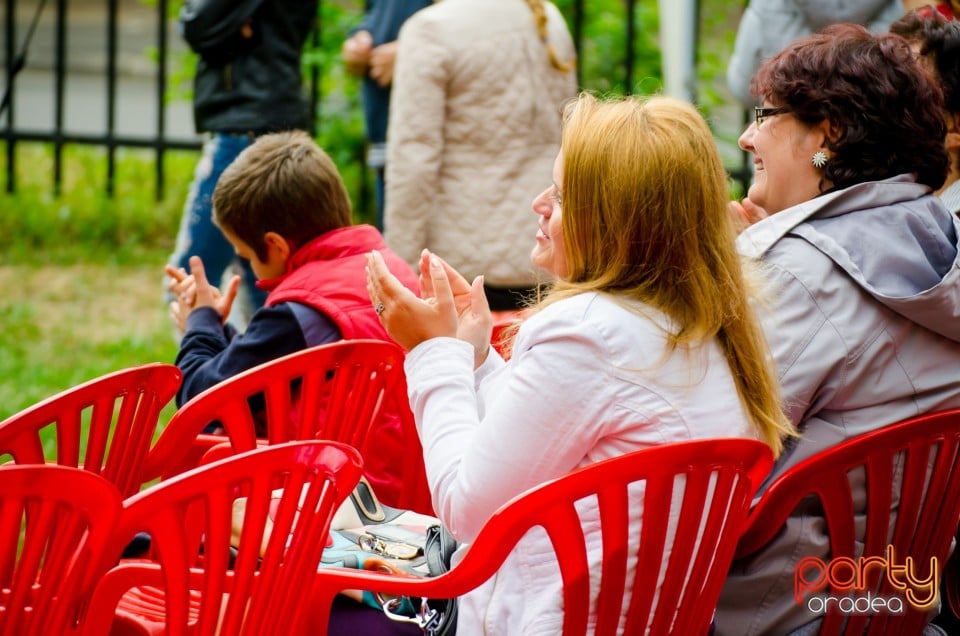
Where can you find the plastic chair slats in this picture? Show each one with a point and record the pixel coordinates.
(339, 391)
(908, 475)
(105, 425)
(574, 569)
(56, 523)
(658, 495)
(707, 586)
(204, 580)
(717, 478)
(714, 529)
(616, 525)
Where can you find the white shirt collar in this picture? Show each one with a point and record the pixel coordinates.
(951, 197)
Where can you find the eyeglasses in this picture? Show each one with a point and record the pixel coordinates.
(761, 113)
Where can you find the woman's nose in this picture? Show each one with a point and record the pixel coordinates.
(541, 204)
(746, 139)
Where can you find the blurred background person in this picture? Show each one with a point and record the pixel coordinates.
(861, 258)
(247, 83)
(370, 52)
(949, 10)
(769, 25)
(474, 128)
(937, 41)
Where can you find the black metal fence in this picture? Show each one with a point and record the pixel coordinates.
(16, 50)
(156, 136)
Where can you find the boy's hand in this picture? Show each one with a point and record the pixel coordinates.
(183, 290)
(178, 316)
(181, 284)
(193, 290)
(207, 295)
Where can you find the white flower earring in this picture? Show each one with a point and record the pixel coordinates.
(819, 159)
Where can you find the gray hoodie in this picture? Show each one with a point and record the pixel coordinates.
(767, 26)
(863, 320)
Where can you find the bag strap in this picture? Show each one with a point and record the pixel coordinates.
(438, 549)
(429, 620)
(366, 502)
(441, 619)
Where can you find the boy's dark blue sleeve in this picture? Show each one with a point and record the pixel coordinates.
(209, 354)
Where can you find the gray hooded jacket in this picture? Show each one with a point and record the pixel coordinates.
(863, 320)
(767, 26)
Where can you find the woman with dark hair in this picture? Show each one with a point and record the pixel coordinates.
(863, 312)
(936, 40)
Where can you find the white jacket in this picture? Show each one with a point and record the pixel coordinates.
(474, 130)
(587, 381)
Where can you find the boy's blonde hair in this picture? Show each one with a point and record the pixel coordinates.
(645, 218)
(284, 183)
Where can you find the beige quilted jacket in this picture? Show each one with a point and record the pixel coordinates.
(474, 129)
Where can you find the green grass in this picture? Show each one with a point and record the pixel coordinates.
(83, 224)
(82, 273)
(67, 324)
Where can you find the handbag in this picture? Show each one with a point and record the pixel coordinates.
(366, 534)
(436, 617)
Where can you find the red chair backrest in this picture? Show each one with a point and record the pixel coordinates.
(505, 324)
(348, 391)
(105, 425)
(865, 477)
(56, 523)
(200, 584)
(719, 476)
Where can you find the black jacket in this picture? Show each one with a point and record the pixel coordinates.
(248, 77)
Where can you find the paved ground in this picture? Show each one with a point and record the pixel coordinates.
(86, 56)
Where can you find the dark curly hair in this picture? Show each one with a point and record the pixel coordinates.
(885, 111)
(938, 40)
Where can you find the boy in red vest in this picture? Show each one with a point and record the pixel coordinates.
(283, 206)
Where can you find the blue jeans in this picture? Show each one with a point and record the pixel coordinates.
(198, 236)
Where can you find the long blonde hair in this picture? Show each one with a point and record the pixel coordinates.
(540, 19)
(645, 218)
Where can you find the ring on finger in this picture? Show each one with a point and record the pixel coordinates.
(379, 308)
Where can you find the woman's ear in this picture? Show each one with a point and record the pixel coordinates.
(829, 131)
(953, 132)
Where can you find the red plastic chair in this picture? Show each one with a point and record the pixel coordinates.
(105, 425)
(56, 523)
(700, 550)
(340, 391)
(878, 468)
(504, 328)
(199, 584)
